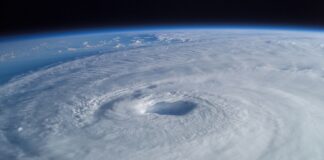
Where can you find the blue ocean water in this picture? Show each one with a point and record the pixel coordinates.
(28, 53)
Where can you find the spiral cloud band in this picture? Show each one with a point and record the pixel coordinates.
(218, 94)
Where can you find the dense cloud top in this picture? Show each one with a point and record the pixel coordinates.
(218, 94)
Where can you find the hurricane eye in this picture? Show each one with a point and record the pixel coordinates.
(177, 108)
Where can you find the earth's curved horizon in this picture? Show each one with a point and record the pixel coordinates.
(178, 93)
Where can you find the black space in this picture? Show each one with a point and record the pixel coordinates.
(41, 16)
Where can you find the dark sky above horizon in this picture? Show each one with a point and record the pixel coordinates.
(39, 16)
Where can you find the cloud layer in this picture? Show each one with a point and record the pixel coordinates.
(221, 94)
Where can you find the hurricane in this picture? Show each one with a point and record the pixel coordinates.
(224, 94)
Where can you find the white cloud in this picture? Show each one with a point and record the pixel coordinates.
(137, 42)
(119, 45)
(72, 49)
(219, 96)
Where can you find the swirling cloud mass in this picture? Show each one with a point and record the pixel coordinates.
(218, 94)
